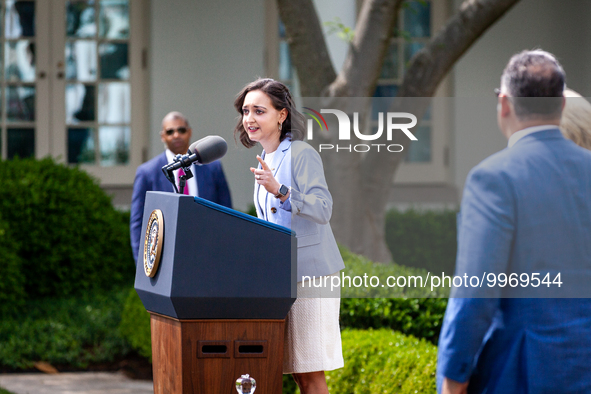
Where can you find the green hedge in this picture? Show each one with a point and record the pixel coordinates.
(423, 239)
(135, 325)
(356, 265)
(72, 332)
(411, 310)
(12, 279)
(68, 236)
(383, 361)
(420, 317)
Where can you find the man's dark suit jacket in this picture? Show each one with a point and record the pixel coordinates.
(211, 184)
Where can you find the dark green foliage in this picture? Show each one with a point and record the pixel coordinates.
(3, 391)
(70, 239)
(383, 361)
(251, 210)
(423, 239)
(408, 309)
(135, 325)
(418, 281)
(72, 331)
(420, 317)
(289, 385)
(12, 281)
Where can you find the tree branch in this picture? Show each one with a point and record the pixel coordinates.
(430, 65)
(363, 64)
(307, 45)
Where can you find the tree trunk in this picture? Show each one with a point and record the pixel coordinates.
(360, 183)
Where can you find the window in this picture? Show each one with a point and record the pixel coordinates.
(411, 35)
(73, 83)
(426, 159)
(19, 88)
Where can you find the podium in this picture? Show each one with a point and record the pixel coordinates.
(218, 296)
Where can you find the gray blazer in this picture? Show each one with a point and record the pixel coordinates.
(307, 211)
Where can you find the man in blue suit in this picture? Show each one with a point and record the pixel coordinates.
(208, 182)
(525, 210)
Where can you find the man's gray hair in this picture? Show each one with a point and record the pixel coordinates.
(535, 82)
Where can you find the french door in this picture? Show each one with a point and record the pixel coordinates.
(73, 83)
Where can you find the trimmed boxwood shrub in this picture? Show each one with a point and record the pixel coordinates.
(70, 238)
(413, 311)
(420, 317)
(12, 290)
(383, 361)
(72, 332)
(135, 325)
(423, 239)
(356, 265)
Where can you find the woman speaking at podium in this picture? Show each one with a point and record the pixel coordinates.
(290, 190)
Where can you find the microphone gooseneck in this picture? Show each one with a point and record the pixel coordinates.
(204, 151)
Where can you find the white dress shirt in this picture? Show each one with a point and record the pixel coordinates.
(522, 133)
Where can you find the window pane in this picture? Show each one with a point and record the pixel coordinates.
(390, 68)
(282, 33)
(285, 72)
(81, 60)
(20, 103)
(80, 19)
(114, 103)
(80, 103)
(420, 151)
(114, 143)
(19, 20)
(417, 18)
(114, 19)
(428, 113)
(19, 61)
(383, 97)
(81, 145)
(114, 62)
(21, 143)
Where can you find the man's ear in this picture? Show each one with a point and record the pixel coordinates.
(563, 103)
(506, 106)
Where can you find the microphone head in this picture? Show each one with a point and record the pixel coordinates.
(194, 145)
(209, 149)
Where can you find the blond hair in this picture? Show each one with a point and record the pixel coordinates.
(576, 119)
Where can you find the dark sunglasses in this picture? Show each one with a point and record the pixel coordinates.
(181, 130)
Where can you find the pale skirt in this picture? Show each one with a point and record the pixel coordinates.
(312, 333)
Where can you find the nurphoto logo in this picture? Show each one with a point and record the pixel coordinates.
(392, 125)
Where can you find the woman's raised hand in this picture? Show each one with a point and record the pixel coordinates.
(265, 178)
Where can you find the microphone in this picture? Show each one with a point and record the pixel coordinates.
(204, 151)
(208, 149)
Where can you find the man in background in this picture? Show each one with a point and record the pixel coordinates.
(208, 182)
(526, 210)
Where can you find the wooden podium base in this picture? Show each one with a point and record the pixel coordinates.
(207, 356)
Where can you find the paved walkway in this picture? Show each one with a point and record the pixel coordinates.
(74, 383)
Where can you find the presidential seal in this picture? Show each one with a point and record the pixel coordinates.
(153, 243)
